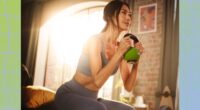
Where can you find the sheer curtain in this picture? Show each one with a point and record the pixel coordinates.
(31, 16)
(171, 46)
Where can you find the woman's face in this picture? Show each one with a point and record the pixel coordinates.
(124, 18)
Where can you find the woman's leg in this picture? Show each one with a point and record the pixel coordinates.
(114, 105)
(71, 101)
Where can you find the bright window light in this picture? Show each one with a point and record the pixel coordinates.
(69, 33)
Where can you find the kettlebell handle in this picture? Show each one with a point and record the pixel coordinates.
(133, 37)
(132, 54)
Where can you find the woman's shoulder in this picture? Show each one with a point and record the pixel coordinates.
(96, 39)
(93, 42)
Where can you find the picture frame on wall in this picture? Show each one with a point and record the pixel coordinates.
(147, 18)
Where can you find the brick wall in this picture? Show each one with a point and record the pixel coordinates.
(150, 62)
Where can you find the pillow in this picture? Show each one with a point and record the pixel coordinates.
(36, 96)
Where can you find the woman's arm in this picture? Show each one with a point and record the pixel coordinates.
(129, 76)
(100, 74)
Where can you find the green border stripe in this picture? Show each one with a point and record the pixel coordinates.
(10, 54)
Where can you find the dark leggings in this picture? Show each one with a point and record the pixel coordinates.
(72, 96)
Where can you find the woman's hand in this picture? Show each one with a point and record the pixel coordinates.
(139, 46)
(124, 44)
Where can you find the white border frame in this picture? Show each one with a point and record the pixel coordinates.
(139, 16)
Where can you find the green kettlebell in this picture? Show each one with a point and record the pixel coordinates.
(132, 54)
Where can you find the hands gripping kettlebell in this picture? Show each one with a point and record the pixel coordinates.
(132, 55)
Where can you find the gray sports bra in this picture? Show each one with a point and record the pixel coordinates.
(84, 67)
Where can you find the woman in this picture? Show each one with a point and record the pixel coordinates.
(101, 57)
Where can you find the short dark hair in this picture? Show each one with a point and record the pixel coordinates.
(112, 9)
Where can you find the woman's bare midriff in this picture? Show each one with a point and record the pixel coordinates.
(86, 81)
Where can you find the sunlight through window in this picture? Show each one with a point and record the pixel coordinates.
(69, 33)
